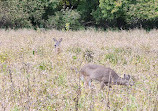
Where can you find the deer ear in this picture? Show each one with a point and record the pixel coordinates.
(127, 77)
(54, 39)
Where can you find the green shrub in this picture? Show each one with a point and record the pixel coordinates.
(142, 13)
(63, 17)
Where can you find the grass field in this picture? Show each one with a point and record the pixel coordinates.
(34, 77)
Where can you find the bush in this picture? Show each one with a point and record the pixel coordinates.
(20, 14)
(66, 14)
(12, 15)
(142, 13)
(63, 18)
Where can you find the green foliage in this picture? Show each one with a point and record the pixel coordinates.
(84, 10)
(71, 17)
(45, 66)
(51, 6)
(97, 15)
(117, 56)
(112, 58)
(16, 108)
(61, 79)
(12, 14)
(20, 14)
(63, 17)
(42, 67)
(142, 12)
(113, 11)
(3, 68)
(76, 50)
(88, 55)
(87, 8)
(67, 26)
(3, 57)
(74, 14)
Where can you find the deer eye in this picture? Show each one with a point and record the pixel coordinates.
(55, 45)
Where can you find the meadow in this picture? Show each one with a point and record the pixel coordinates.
(34, 77)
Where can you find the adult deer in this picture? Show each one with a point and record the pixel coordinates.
(106, 76)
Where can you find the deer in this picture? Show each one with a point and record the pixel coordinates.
(106, 76)
(57, 45)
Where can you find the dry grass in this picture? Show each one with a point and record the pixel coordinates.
(33, 77)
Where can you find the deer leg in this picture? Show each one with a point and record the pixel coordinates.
(108, 84)
(102, 85)
(82, 78)
(87, 81)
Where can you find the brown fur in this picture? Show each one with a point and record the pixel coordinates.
(104, 75)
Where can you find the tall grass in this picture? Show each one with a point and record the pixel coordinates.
(33, 77)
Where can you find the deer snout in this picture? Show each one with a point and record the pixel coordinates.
(129, 83)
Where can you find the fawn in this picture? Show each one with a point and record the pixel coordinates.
(57, 45)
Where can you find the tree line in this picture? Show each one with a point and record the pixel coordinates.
(79, 14)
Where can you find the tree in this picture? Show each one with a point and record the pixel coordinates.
(143, 13)
(113, 11)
